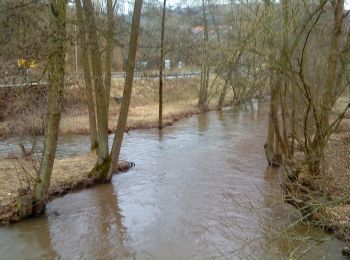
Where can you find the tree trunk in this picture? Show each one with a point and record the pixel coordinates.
(102, 163)
(203, 91)
(84, 60)
(270, 142)
(54, 101)
(109, 50)
(161, 66)
(329, 91)
(271, 146)
(293, 119)
(316, 150)
(23, 148)
(223, 95)
(285, 85)
(118, 138)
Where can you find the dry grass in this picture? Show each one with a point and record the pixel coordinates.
(19, 173)
(180, 100)
(140, 117)
(67, 173)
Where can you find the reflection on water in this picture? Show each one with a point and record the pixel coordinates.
(199, 190)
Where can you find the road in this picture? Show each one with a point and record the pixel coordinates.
(121, 75)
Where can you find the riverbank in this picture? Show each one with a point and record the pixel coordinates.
(140, 117)
(175, 201)
(23, 110)
(17, 175)
(17, 178)
(325, 201)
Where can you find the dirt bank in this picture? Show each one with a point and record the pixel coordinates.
(17, 177)
(326, 201)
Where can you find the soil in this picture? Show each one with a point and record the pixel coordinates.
(327, 200)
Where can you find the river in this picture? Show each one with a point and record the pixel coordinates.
(200, 190)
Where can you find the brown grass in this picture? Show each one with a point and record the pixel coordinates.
(68, 174)
(18, 173)
(180, 100)
(140, 117)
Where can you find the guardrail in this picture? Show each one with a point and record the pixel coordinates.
(152, 75)
(121, 75)
(23, 84)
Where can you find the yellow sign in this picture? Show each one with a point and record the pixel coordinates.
(23, 63)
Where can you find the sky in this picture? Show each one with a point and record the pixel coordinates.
(347, 4)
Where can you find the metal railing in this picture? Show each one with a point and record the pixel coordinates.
(153, 75)
(121, 75)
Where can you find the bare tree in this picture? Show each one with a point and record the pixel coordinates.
(56, 74)
(270, 147)
(84, 60)
(123, 115)
(109, 51)
(203, 91)
(100, 92)
(161, 66)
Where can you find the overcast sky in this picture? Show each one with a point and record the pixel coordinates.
(347, 4)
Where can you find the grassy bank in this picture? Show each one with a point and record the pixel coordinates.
(18, 175)
(25, 113)
(17, 178)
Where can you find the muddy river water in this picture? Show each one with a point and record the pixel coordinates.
(200, 190)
